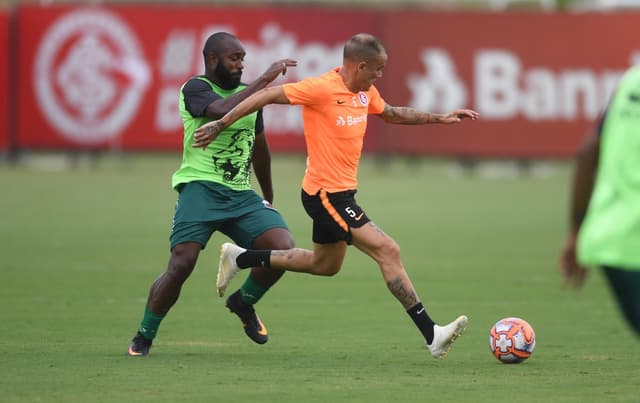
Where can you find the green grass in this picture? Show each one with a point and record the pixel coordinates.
(80, 249)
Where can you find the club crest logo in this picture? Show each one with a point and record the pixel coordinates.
(364, 100)
(89, 75)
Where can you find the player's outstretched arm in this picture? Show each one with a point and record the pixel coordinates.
(221, 106)
(410, 116)
(208, 132)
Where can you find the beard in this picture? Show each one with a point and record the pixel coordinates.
(228, 81)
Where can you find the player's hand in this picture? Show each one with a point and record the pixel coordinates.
(573, 274)
(459, 114)
(277, 68)
(206, 133)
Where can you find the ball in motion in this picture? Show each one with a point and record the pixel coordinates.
(512, 340)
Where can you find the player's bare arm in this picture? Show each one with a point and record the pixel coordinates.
(221, 106)
(410, 116)
(208, 132)
(584, 178)
(261, 160)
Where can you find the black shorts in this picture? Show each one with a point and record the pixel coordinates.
(333, 215)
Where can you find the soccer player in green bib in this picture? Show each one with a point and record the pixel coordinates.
(214, 189)
(605, 206)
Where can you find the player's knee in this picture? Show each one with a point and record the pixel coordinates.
(326, 271)
(274, 239)
(326, 268)
(282, 244)
(388, 252)
(180, 266)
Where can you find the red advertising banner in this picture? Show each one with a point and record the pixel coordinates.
(96, 77)
(110, 77)
(4, 80)
(539, 80)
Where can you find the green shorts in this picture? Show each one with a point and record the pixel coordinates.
(205, 207)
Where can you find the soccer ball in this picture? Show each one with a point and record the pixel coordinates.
(512, 340)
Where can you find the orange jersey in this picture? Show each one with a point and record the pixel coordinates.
(335, 120)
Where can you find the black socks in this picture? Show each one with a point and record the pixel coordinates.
(422, 320)
(254, 258)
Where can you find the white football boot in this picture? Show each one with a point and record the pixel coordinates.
(227, 267)
(444, 336)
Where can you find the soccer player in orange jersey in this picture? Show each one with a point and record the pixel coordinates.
(335, 107)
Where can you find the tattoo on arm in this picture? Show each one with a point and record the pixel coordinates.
(408, 116)
(406, 296)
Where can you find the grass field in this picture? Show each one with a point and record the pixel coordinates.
(80, 249)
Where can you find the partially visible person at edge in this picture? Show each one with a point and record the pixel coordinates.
(605, 202)
(215, 190)
(334, 110)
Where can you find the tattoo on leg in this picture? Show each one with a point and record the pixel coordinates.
(306, 253)
(289, 254)
(406, 296)
(377, 228)
(296, 254)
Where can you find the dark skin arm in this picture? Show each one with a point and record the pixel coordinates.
(584, 178)
(208, 132)
(221, 107)
(262, 166)
(586, 166)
